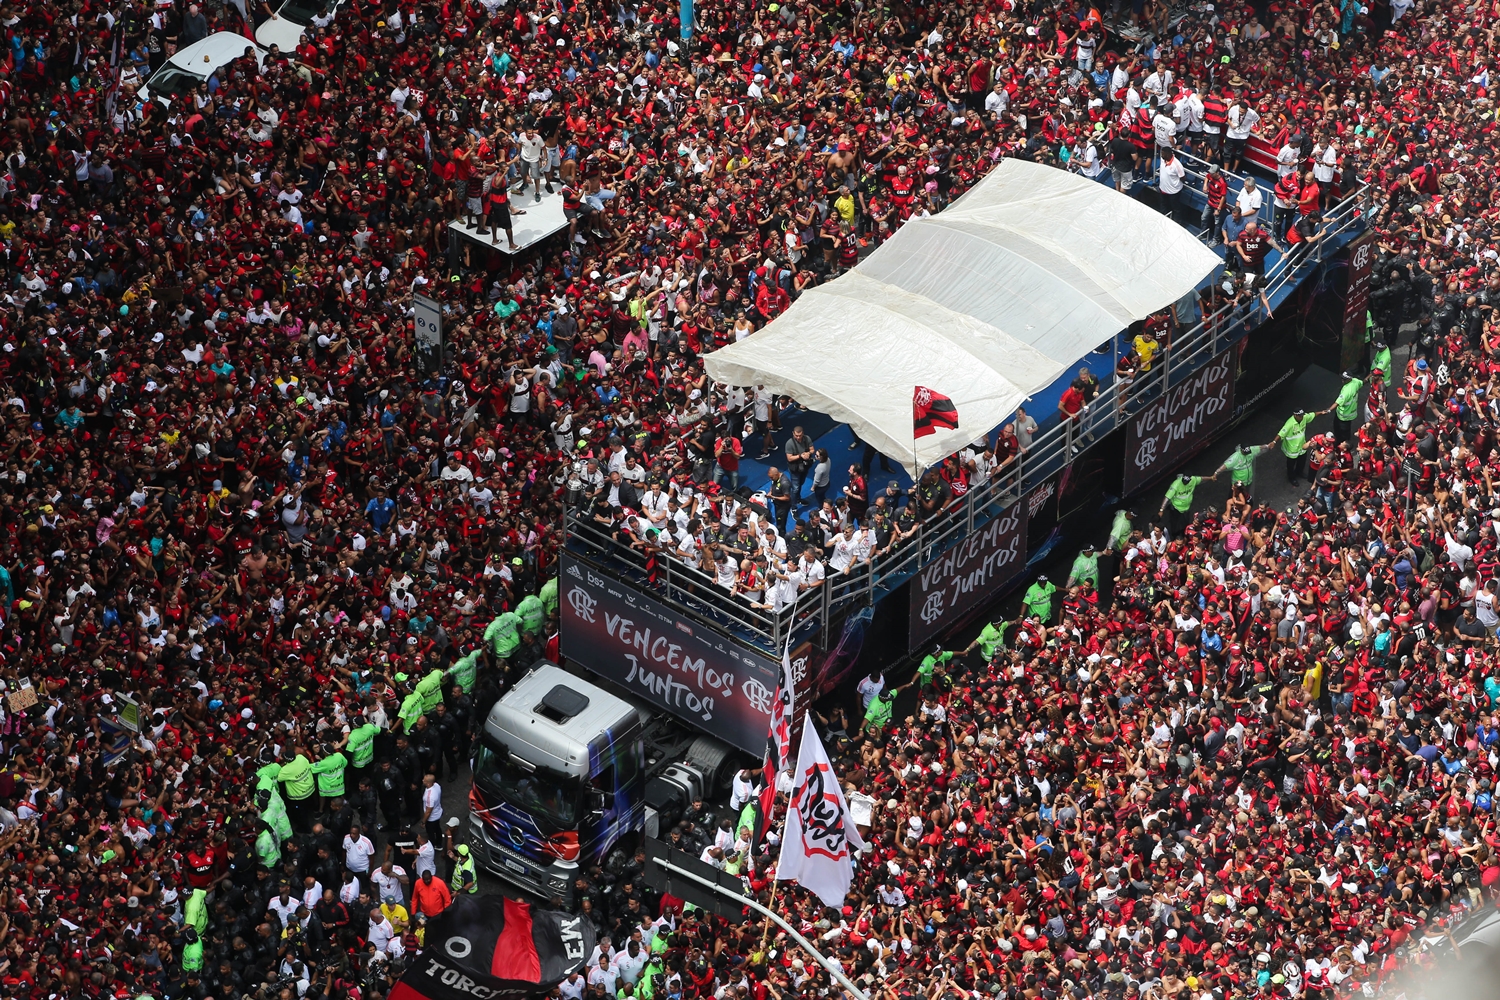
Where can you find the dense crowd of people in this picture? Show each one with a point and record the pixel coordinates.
(236, 520)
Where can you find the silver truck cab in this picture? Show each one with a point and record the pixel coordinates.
(558, 782)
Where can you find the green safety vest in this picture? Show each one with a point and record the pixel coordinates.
(653, 968)
(465, 671)
(192, 956)
(411, 711)
(298, 776)
(989, 640)
(361, 744)
(1180, 494)
(930, 663)
(504, 633)
(265, 778)
(878, 715)
(1347, 406)
(1038, 599)
(195, 913)
(330, 773)
(464, 866)
(548, 596)
(1085, 567)
(275, 815)
(268, 848)
(1382, 361)
(1294, 435)
(431, 689)
(1242, 466)
(533, 613)
(1119, 531)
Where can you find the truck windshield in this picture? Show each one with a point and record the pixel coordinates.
(549, 796)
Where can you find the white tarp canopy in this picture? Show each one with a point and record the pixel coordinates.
(986, 303)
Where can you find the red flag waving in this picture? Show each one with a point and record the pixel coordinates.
(931, 411)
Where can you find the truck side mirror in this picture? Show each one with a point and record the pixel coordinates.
(599, 801)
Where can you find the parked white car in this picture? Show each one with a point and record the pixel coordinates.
(189, 67)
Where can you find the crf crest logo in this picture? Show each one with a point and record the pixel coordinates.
(822, 819)
(758, 695)
(924, 397)
(932, 608)
(1362, 255)
(582, 604)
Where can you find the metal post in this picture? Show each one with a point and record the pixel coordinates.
(666, 573)
(826, 963)
(969, 511)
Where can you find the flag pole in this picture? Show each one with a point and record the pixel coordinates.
(828, 965)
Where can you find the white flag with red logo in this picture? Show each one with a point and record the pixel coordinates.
(820, 841)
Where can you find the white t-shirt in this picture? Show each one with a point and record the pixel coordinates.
(357, 853)
(530, 148)
(432, 798)
(1171, 175)
(389, 884)
(1249, 201)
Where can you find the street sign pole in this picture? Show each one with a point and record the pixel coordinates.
(427, 330)
(826, 963)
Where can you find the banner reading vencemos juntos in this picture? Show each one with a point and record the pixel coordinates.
(1170, 427)
(649, 650)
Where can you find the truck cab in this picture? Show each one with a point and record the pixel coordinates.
(568, 776)
(559, 777)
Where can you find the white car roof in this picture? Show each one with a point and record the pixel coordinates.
(203, 57)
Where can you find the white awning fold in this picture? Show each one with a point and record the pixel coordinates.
(986, 303)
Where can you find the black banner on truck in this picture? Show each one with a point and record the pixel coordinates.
(968, 574)
(644, 647)
(1171, 427)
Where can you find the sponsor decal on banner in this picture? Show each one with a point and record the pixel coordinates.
(646, 648)
(968, 574)
(1169, 428)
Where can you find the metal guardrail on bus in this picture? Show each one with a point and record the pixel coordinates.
(1053, 447)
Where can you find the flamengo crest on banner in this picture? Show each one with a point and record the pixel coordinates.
(1170, 427)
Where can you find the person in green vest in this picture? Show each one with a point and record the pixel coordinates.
(533, 613)
(361, 747)
(465, 670)
(548, 595)
(267, 774)
(195, 913)
(928, 667)
(1119, 530)
(330, 773)
(1346, 407)
(431, 689)
(1085, 567)
(464, 877)
(301, 786)
(1381, 362)
(411, 711)
(1179, 502)
(192, 951)
(273, 814)
(1293, 438)
(267, 847)
(651, 974)
(989, 640)
(1241, 468)
(1038, 599)
(503, 635)
(878, 715)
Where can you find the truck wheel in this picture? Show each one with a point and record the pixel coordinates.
(617, 858)
(714, 761)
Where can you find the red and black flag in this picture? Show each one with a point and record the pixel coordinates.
(931, 412)
(495, 948)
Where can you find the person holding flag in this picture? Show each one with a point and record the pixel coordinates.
(759, 811)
